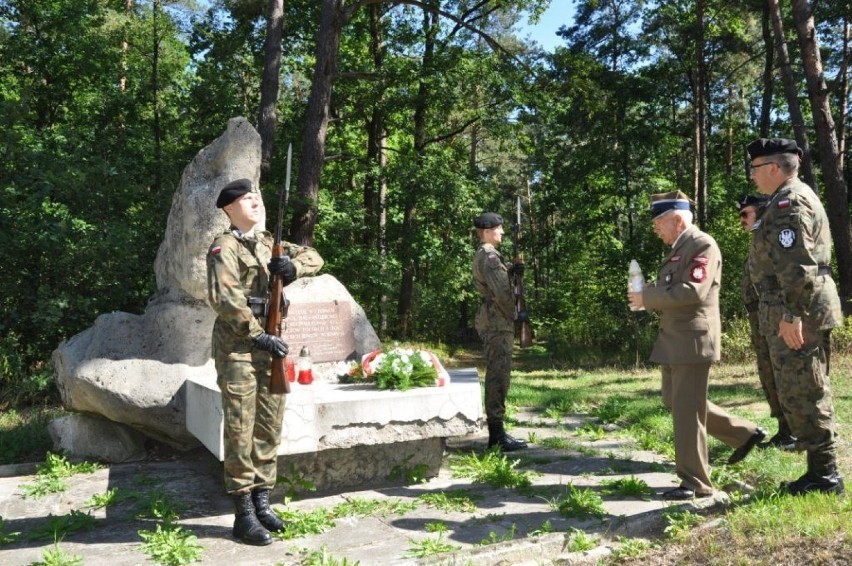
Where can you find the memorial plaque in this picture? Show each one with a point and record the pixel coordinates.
(325, 328)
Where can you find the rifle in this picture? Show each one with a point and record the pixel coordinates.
(278, 383)
(526, 338)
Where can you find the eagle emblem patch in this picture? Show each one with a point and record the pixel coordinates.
(787, 238)
(698, 273)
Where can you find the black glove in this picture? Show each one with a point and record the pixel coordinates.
(272, 344)
(517, 269)
(284, 267)
(523, 316)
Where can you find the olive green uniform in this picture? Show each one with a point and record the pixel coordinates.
(686, 294)
(238, 282)
(495, 325)
(788, 264)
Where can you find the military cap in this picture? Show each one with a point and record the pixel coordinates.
(232, 191)
(758, 201)
(661, 203)
(772, 146)
(488, 220)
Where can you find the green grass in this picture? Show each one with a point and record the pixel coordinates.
(493, 468)
(170, 545)
(23, 433)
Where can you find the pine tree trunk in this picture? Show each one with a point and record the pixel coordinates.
(269, 85)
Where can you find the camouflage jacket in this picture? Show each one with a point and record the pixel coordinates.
(789, 244)
(236, 271)
(491, 279)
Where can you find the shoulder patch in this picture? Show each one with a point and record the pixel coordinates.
(783, 203)
(787, 238)
(674, 259)
(215, 250)
(698, 273)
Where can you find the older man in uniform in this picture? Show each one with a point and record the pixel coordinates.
(238, 269)
(789, 264)
(751, 208)
(495, 323)
(686, 294)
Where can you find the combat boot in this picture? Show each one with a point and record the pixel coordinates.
(821, 476)
(247, 528)
(783, 439)
(497, 437)
(267, 517)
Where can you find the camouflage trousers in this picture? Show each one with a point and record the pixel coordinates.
(498, 368)
(253, 420)
(764, 367)
(804, 390)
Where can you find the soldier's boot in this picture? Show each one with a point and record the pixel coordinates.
(783, 439)
(821, 476)
(247, 527)
(497, 436)
(267, 517)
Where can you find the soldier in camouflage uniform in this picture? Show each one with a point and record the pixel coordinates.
(495, 323)
(789, 265)
(751, 208)
(238, 272)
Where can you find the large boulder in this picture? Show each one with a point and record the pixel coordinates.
(131, 368)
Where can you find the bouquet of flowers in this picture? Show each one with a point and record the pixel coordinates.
(397, 368)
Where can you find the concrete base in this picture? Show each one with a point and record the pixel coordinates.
(405, 428)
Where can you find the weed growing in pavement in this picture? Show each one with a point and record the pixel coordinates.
(577, 540)
(159, 505)
(57, 557)
(5, 536)
(679, 523)
(494, 539)
(448, 501)
(360, 507)
(410, 475)
(591, 431)
(630, 547)
(546, 527)
(170, 544)
(578, 503)
(628, 487)
(553, 413)
(560, 443)
(113, 496)
(493, 468)
(294, 484)
(57, 526)
(322, 557)
(612, 409)
(430, 546)
(303, 523)
(50, 475)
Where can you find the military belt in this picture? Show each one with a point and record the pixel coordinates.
(258, 306)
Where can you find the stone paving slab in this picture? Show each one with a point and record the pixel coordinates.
(503, 515)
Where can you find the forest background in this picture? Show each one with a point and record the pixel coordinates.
(407, 118)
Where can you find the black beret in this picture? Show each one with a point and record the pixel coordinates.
(488, 220)
(232, 191)
(772, 146)
(758, 201)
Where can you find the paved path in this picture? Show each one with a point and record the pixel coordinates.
(507, 527)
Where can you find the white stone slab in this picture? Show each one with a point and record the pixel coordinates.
(323, 416)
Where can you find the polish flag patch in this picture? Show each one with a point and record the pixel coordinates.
(701, 260)
(215, 250)
(784, 203)
(674, 259)
(698, 273)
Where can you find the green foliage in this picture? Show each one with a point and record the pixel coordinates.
(23, 433)
(302, 523)
(429, 546)
(493, 468)
(410, 474)
(322, 557)
(57, 527)
(109, 498)
(494, 539)
(457, 501)
(160, 505)
(679, 523)
(51, 475)
(170, 545)
(579, 541)
(55, 556)
(627, 487)
(364, 507)
(5, 536)
(579, 503)
(295, 483)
